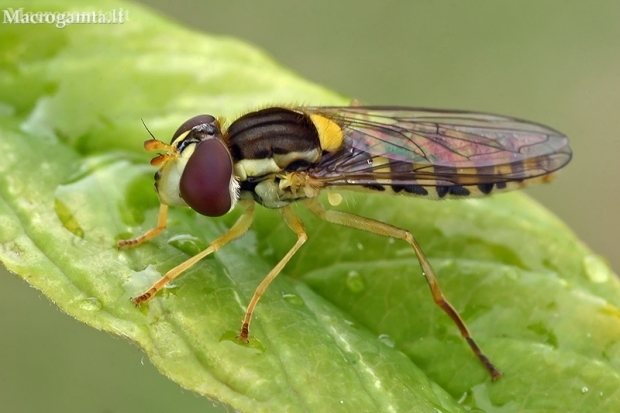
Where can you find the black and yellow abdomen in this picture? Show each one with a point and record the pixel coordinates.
(277, 139)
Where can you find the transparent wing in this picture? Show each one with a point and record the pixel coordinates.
(435, 147)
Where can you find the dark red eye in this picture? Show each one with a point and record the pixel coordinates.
(190, 123)
(205, 183)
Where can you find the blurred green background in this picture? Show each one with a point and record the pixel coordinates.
(556, 62)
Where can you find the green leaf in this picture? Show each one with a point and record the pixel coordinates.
(350, 324)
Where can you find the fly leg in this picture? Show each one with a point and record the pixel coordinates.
(238, 229)
(152, 233)
(380, 228)
(297, 226)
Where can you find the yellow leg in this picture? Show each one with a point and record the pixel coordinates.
(297, 226)
(161, 225)
(380, 228)
(238, 229)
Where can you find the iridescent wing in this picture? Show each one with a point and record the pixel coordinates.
(425, 147)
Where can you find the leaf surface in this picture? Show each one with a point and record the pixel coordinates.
(350, 324)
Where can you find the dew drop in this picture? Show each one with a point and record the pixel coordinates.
(90, 304)
(334, 198)
(597, 268)
(360, 246)
(268, 252)
(354, 282)
(139, 281)
(188, 244)
(387, 340)
(584, 390)
(293, 298)
(350, 323)
(462, 398)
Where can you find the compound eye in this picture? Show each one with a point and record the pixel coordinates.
(205, 182)
(190, 123)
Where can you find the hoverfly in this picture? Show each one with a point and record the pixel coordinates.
(279, 155)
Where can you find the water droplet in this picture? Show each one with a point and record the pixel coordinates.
(597, 268)
(334, 198)
(584, 390)
(90, 304)
(545, 332)
(391, 240)
(268, 252)
(139, 281)
(253, 344)
(360, 246)
(188, 244)
(387, 340)
(293, 298)
(350, 323)
(355, 282)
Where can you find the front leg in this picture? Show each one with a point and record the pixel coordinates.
(238, 229)
(152, 233)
